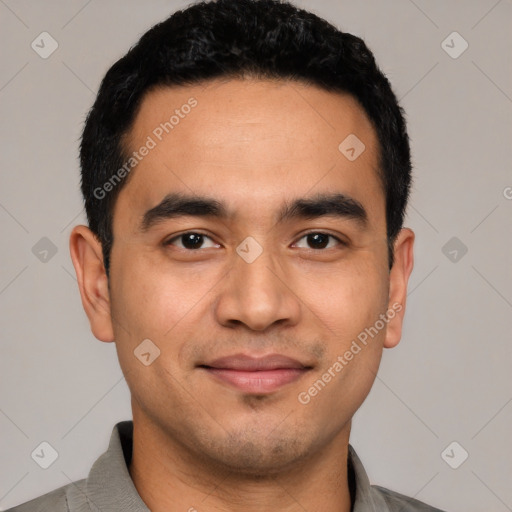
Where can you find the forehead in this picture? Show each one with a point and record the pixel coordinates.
(251, 144)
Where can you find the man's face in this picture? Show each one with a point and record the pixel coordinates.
(255, 147)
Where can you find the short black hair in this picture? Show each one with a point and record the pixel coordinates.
(267, 39)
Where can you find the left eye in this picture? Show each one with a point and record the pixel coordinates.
(191, 241)
(320, 240)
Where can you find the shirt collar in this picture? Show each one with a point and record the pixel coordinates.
(366, 498)
(110, 487)
(109, 484)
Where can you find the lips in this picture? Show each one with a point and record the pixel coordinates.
(256, 374)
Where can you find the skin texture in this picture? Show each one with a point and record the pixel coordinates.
(254, 145)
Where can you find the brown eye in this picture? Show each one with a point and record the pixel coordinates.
(319, 240)
(191, 241)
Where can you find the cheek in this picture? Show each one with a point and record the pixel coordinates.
(347, 308)
(348, 298)
(155, 300)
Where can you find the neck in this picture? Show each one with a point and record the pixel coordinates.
(170, 478)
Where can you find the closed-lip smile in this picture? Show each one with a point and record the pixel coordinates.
(260, 375)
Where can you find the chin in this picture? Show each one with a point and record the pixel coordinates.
(255, 453)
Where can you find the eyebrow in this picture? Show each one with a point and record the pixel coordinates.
(321, 205)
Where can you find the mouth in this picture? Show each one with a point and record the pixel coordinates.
(259, 375)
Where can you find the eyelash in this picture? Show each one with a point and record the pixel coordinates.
(169, 241)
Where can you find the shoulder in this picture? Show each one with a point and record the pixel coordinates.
(56, 500)
(399, 502)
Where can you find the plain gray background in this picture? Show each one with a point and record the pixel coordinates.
(449, 379)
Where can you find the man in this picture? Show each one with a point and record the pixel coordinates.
(245, 169)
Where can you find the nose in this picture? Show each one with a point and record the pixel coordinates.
(258, 295)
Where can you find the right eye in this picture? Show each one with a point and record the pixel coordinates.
(191, 240)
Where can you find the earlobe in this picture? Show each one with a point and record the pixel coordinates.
(87, 257)
(398, 280)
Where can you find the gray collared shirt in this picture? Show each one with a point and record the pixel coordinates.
(109, 487)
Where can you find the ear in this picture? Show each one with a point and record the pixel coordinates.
(87, 257)
(398, 280)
